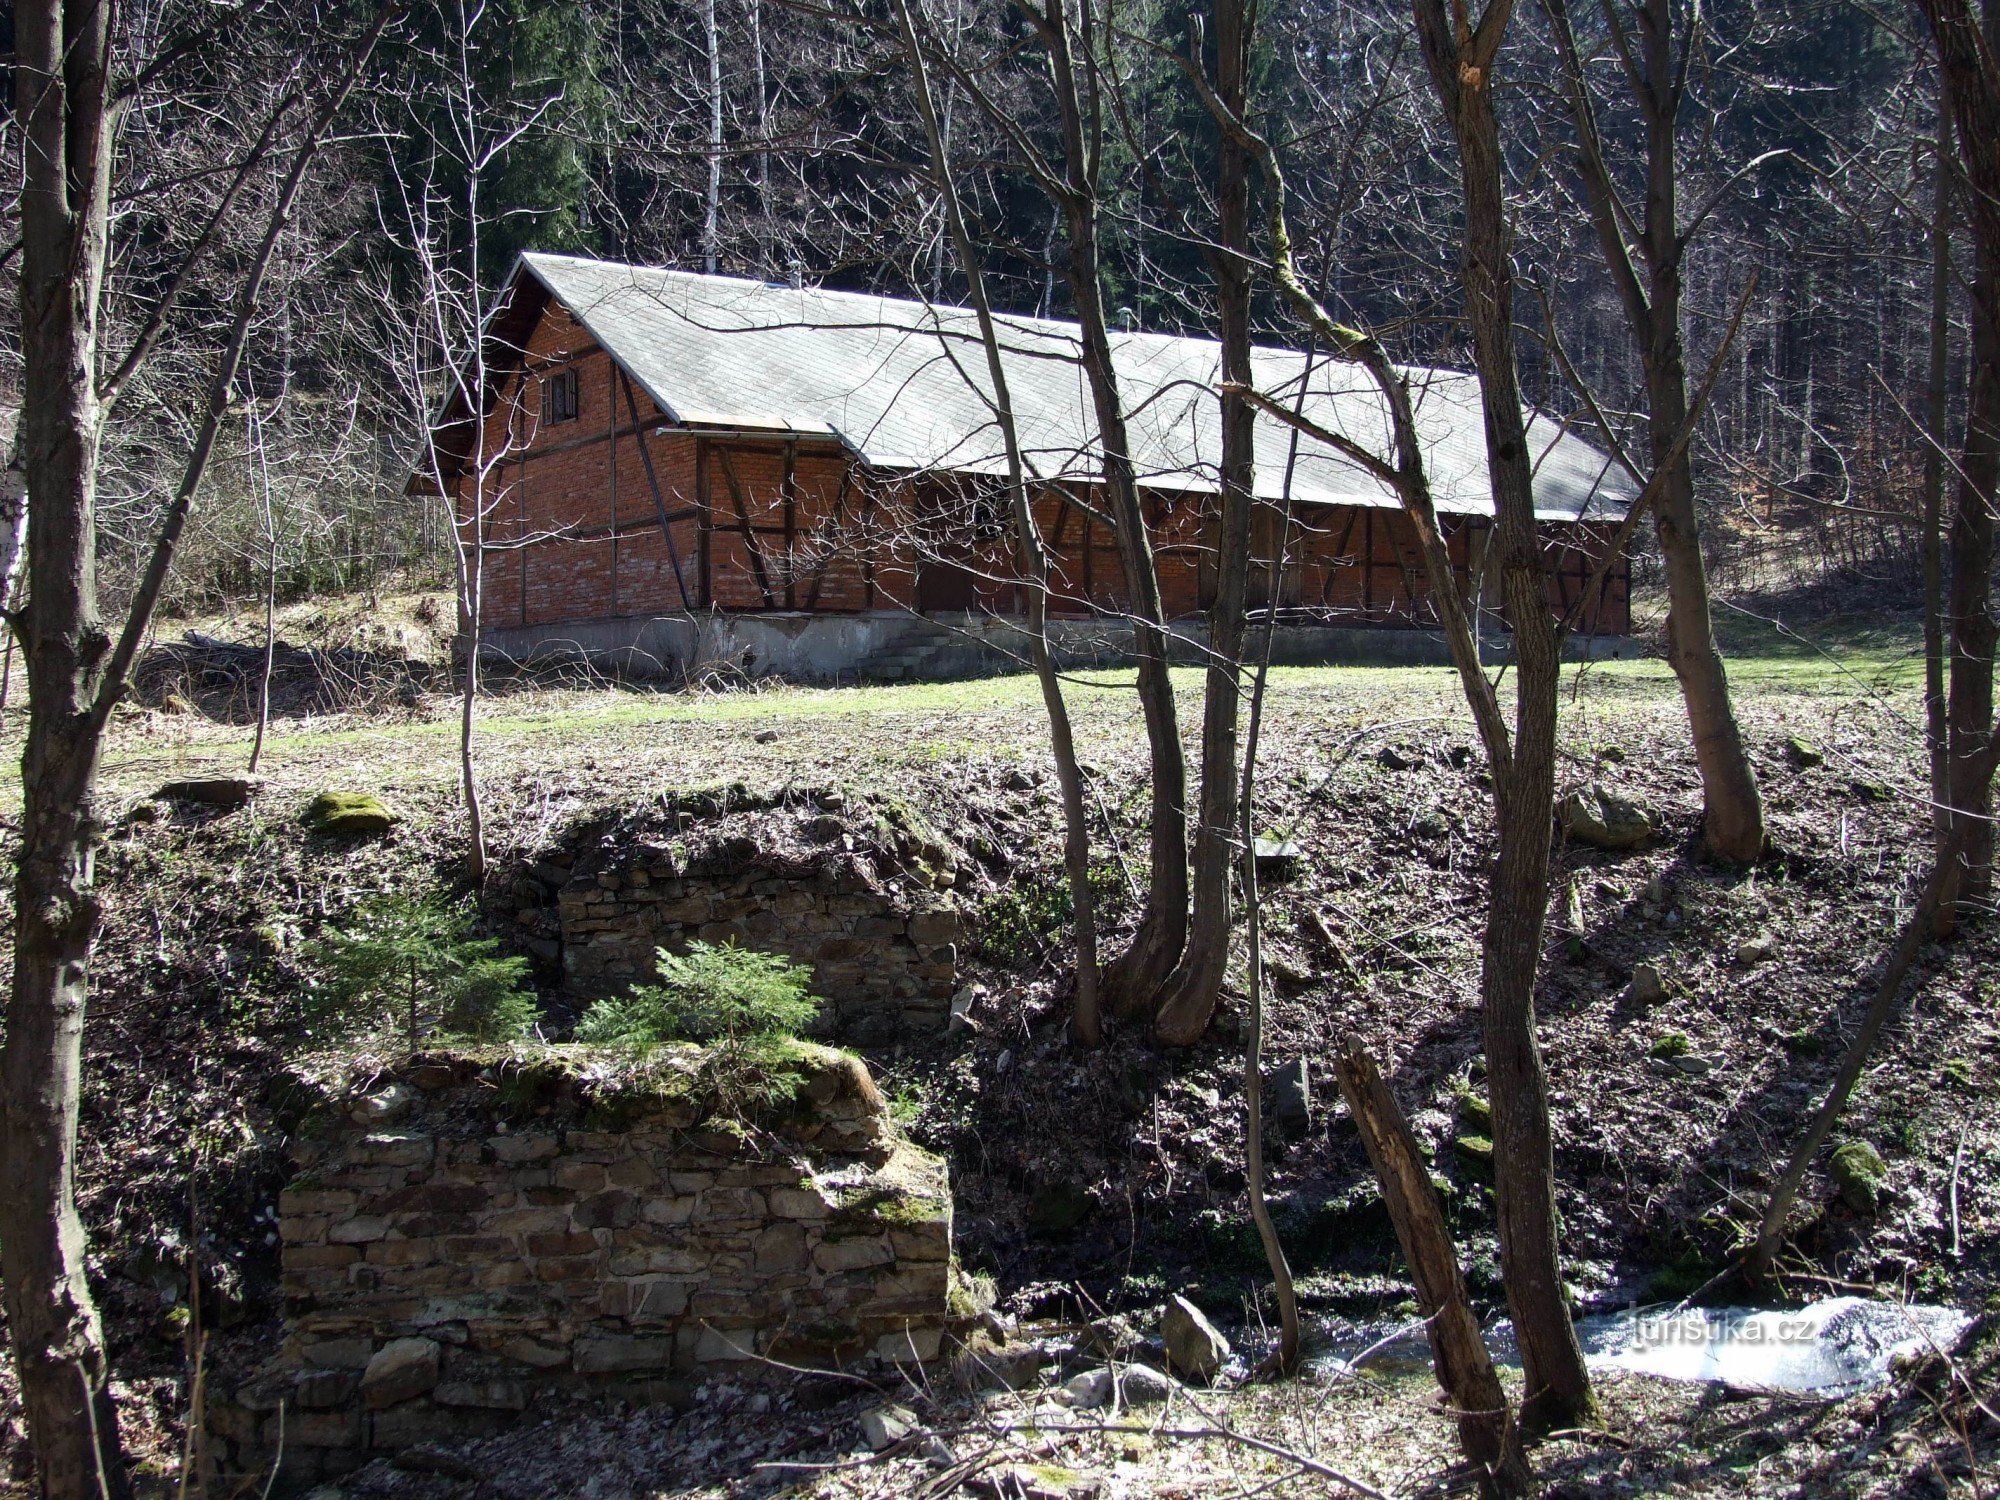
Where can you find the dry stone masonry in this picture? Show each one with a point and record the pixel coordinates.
(863, 893)
(469, 1232)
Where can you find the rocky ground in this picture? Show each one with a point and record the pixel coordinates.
(1101, 1182)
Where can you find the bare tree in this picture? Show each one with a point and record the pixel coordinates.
(1461, 53)
(1074, 183)
(1191, 994)
(1521, 757)
(68, 95)
(259, 455)
(1656, 239)
(1032, 558)
(441, 215)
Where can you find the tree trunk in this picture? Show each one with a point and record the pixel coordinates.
(1971, 80)
(1132, 981)
(1557, 1385)
(1191, 994)
(1733, 811)
(711, 223)
(1733, 817)
(1286, 1356)
(1031, 554)
(261, 478)
(1732, 808)
(57, 1339)
(75, 674)
(1937, 397)
(1486, 1428)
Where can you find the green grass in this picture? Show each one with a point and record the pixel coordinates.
(876, 734)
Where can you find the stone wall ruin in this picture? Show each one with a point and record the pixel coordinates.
(861, 891)
(470, 1232)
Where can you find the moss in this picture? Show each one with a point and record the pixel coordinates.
(889, 1208)
(971, 1292)
(349, 815)
(1474, 1150)
(1686, 1274)
(1859, 1174)
(1475, 1115)
(1670, 1045)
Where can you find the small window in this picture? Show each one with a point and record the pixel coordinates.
(559, 397)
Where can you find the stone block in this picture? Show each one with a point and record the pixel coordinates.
(926, 1242)
(566, 1243)
(930, 929)
(536, 1353)
(294, 1201)
(417, 1252)
(496, 1393)
(318, 1257)
(304, 1229)
(633, 1173)
(432, 1198)
(658, 1299)
(856, 1253)
(730, 1205)
(317, 1389)
(323, 1429)
(392, 1148)
(619, 1354)
(358, 1230)
(780, 1248)
(612, 1209)
(400, 1370)
(513, 1149)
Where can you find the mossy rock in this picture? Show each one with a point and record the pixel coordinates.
(1474, 1113)
(1859, 1174)
(349, 815)
(1475, 1151)
(1803, 753)
(1670, 1045)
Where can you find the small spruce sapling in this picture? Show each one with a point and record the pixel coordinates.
(747, 1007)
(416, 963)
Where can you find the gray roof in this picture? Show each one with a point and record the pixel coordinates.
(903, 385)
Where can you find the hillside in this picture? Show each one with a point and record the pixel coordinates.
(1093, 1182)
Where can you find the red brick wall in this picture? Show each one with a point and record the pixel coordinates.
(574, 526)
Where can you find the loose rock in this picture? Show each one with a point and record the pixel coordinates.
(1803, 753)
(349, 815)
(213, 791)
(1194, 1345)
(1605, 820)
(1291, 1091)
(1142, 1385)
(885, 1426)
(1090, 1390)
(383, 1107)
(1859, 1174)
(1756, 950)
(1647, 986)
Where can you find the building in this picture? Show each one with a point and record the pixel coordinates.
(682, 470)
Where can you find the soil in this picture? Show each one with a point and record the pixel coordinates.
(1090, 1182)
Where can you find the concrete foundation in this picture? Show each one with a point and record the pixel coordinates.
(898, 646)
